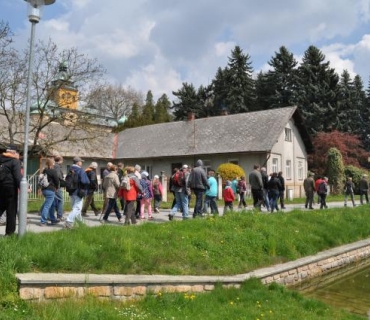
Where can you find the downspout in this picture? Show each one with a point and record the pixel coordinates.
(269, 156)
(115, 146)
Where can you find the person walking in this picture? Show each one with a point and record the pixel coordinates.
(364, 189)
(211, 193)
(76, 184)
(48, 208)
(349, 188)
(255, 181)
(93, 186)
(265, 180)
(130, 196)
(180, 186)
(10, 179)
(111, 185)
(59, 199)
(282, 189)
(229, 197)
(198, 183)
(274, 187)
(147, 196)
(242, 186)
(309, 189)
(157, 193)
(322, 192)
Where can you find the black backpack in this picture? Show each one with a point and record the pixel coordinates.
(322, 188)
(72, 181)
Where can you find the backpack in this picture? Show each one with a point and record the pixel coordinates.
(322, 188)
(125, 183)
(43, 181)
(72, 181)
(178, 179)
(240, 186)
(146, 193)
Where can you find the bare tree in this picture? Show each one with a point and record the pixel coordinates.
(56, 115)
(115, 100)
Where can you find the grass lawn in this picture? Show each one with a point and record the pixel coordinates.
(236, 243)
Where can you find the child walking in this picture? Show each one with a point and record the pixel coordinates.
(229, 197)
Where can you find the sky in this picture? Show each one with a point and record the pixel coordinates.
(159, 44)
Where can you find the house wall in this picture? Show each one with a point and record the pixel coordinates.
(295, 152)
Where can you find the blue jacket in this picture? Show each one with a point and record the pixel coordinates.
(82, 177)
(212, 191)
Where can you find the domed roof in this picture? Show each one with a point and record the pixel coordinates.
(122, 120)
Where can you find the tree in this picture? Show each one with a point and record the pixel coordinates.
(161, 110)
(220, 90)
(335, 170)
(51, 108)
(187, 102)
(317, 91)
(115, 101)
(349, 145)
(241, 87)
(148, 109)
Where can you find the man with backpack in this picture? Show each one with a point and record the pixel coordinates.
(93, 186)
(76, 184)
(198, 183)
(181, 190)
(10, 179)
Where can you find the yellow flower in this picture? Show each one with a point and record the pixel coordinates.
(231, 302)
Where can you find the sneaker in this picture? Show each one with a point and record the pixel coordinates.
(84, 214)
(103, 221)
(170, 217)
(54, 222)
(97, 213)
(61, 218)
(68, 225)
(150, 218)
(142, 218)
(41, 224)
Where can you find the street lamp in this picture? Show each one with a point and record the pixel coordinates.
(34, 16)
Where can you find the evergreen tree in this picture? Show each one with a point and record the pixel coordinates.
(187, 101)
(264, 92)
(161, 109)
(365, 120)
(241, 87)
(148, 109)
(282, 80)
(220, 90)
(317, 91)
(134, 119)
(335, 169)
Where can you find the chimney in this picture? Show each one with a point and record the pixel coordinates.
(191, 116)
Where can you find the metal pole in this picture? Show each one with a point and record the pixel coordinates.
(23, 194)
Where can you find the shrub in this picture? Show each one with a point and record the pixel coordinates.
(335, 170)
(228, 171)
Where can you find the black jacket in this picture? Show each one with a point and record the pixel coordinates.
(52, 178)
(12, 171)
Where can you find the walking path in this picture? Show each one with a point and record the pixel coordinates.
(92, 220)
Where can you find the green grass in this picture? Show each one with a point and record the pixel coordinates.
(236, 243)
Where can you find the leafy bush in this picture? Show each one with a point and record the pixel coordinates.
(228, 171)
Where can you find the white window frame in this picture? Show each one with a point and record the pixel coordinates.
(288, 169)
(207, 165)
(275, 165)
(288, 134)
(300, 169)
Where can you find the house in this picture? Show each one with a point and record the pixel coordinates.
(275, 139)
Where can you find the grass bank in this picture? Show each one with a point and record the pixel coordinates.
(237, 243)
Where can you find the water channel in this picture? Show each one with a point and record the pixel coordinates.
(348, 289)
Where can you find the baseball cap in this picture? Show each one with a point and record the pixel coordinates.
(185, 166)
(93, 165)
(77, 159)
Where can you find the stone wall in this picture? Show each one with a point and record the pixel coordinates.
(41, 287)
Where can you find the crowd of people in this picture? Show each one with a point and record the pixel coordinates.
(132, 195)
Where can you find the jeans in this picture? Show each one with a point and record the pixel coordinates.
(242, 199)
(210, 202)
(274, 196)
(59, 203)
(48, 208)
(76, 203)
(266, 199)
(181, 202)
(112, 204)
(198, 202)
(323, 201)
(346, 195)
(157, 201)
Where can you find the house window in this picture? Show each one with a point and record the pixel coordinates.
(288, 134)
(300, 169)
(206, 165)
(275, 164)
(288, 169)
(234, 161)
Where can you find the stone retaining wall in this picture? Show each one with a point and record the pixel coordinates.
(40, 287)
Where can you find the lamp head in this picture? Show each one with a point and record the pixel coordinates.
(35, 9)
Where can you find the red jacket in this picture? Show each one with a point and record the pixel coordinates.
(131, 195)
(228, 194)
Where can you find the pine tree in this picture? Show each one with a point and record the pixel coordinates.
(187, 101)
(241, 87)
(220, 90)
(317, 91)
(148, 109)
(161, 109)
(264, 92)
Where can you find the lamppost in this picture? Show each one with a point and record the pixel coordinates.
(34, 16)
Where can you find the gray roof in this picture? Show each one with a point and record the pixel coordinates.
(239, 133)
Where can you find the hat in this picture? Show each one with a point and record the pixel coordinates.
(144, 174)
(12, 149)
(156, 176)
(77, 159)
(93, 165)
(263, 169)
(228, 183)
(185, 166)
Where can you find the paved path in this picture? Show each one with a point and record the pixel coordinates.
(92, 220)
